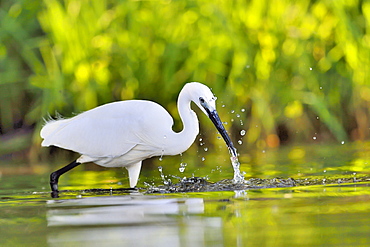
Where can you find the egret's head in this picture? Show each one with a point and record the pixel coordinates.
(202, 96)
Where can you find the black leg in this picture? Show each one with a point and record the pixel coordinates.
(54, 177)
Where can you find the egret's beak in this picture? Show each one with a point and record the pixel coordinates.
(213, 115)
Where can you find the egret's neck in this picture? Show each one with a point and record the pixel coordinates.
(181, 141)
(188, 117)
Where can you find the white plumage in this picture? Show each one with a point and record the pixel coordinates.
(122, 134)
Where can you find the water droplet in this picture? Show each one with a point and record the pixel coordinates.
(206, 149)
(237, 115)
(241, 122)
(182, 167)
(232, 111)
(203, 159)
(243, 110)
(160, 158)
(240, 142)
(317, 118)
(164, 136)
(320, 88)
(310, 68)
(202, 143)
(242, 132)
(200, 139)
(342, 142)
(223, 106)
(314, 137)
(263, 151)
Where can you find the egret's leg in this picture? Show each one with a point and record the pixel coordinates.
(133, 173)
(54, 177)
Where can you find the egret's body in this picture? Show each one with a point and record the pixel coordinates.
(124, 133)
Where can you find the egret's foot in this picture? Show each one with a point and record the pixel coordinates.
(54, 177)
(54, 185)
(54, 194)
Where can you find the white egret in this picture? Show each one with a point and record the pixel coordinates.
(124, 133)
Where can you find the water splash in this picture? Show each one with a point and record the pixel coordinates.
(160, 169)
(165, 181)
(238, 176)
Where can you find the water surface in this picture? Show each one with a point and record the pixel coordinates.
(325, 201)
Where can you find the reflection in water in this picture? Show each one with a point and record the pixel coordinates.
(132, 220)
(320, 215)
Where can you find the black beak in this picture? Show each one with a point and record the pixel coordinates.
(213, 115)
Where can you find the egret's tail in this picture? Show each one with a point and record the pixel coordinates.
(51, 127)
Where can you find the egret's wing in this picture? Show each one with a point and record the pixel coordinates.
(107, 131)
(90, 136)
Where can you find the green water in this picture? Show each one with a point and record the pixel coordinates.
(332, 208)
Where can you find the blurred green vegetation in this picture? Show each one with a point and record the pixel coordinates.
(283, 71)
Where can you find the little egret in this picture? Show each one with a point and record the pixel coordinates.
(124, 133)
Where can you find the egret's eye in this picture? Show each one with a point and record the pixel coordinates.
(201, 100)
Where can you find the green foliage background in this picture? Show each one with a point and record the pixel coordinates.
(283, 71)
